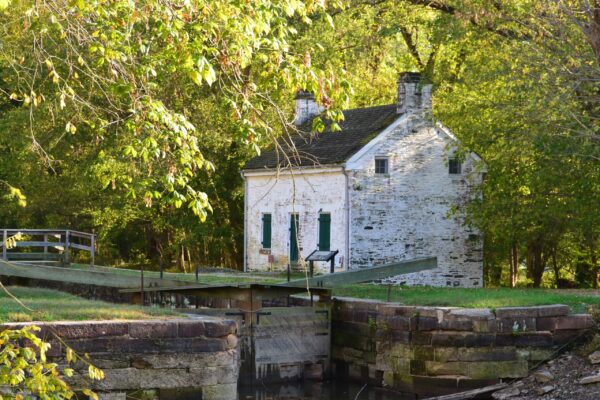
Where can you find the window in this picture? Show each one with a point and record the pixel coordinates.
(381, 165)
(324, 232)
(454, 166)
(266, 231)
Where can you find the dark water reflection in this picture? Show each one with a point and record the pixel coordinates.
(319, 391)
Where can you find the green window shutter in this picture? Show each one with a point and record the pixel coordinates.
(324, 232)
(266, 233)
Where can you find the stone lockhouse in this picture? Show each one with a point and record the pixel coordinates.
(379, 191)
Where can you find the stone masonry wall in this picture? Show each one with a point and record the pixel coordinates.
(405, 214)
(162, 358)
(436, 350)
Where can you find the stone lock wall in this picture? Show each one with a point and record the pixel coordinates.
(159, 359)
(436, 350)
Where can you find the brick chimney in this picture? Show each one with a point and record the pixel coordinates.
(413, 94)
(306, 107)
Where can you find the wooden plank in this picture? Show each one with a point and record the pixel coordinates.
(33, 256)
(87, 277)
(366, 274)
(82, 235)
(81, 247)
(233, 291)
(22, 243)
(471, 394)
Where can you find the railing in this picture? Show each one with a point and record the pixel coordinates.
(62, 240)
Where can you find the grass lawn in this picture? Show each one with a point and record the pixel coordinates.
(52, 305)
(578, 300)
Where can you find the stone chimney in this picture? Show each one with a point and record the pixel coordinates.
(412, 93)
(306, 107)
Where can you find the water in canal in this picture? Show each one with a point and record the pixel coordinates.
(333, 390)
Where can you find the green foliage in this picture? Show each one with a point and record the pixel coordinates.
(108, 72)
(25, 372)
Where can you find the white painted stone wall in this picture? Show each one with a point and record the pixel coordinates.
(305, 192)
(405, 214)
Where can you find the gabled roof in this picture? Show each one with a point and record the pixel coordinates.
(360, 125)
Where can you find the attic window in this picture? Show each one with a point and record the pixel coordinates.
(454, 166)
(381, 165)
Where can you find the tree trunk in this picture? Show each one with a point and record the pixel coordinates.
(555, 267)
(514, 265)
(535, 262)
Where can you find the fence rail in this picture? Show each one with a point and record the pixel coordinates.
(62, 240)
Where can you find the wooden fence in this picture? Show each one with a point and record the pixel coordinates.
(42, 241)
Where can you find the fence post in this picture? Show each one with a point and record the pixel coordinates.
(142, 284)
(45, 245)
(4, 238)
(93, 250)
(67, 249)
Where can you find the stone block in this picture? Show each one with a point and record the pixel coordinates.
(434, 312)
(397, 323)
(516, 324)
(498, 369)
(546, 323)
(448, 354)
(153, 329)
(448, 339)
(190, 328)
(405, 311)
(480, 339)
(516, 312)
(435, 368)
(576, 321)
(456, 324)
(564, 336)
(554, 310)
(473, 314)
(89, 329)
(421, 338)
(185, 360)
(445, 354)
(423, 353)
(398, 365)
(427, 323)
(534, 339)
(484, 326)
(219, 328)
(405, 337)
